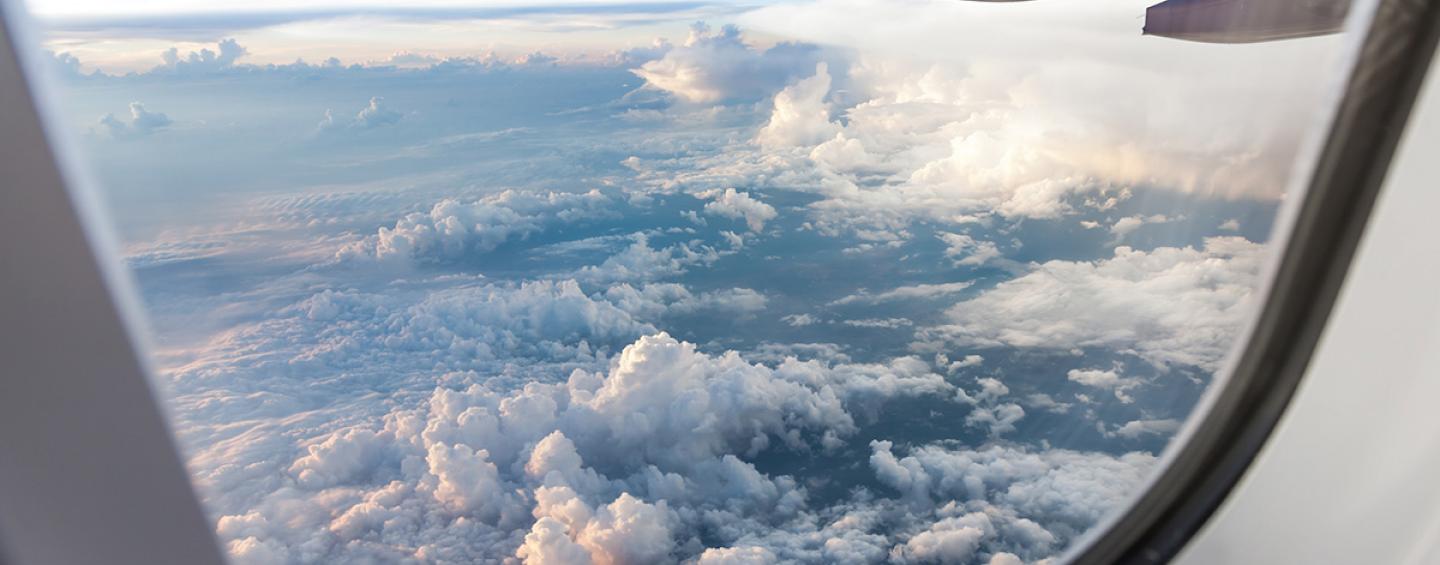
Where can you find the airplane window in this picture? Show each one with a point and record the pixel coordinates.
(827, 281)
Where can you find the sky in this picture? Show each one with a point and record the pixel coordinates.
(807, 282)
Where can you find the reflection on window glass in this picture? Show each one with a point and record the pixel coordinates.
(833, 281)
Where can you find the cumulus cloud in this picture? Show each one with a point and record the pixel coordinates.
(627, 530)
(454, 229)
(621, 465)
(966, 250)
(1042, 401)
(66, 64)
(1062, 491)
(654, 300)
(983, 130)
(1168, 305)
(740, 206)
(951, 540)
(990, 409)
(1136, 429)
(409, 59)
(971, 360)
(641, 262)
(202, 61)
(1117, 119)
(801, 117)
(142, 122)
(714, 67)
(1105, 379)
(372, 116)
(1124, 226)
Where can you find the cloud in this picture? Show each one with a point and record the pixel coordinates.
(655, 300)
(1042, 401)
(1124, 226)
(66, 64)
(548, 542)
(372, 116)
(1105, 379)
(886, 323)
(801, 117)
(1044, 498)
(966, 250)
(204, 60)
(800, 320)
(619, 465)
(1107, 111)
(718, 67)
(971, 360)
(1168, 305)
(740, 206)
(750, 555)
(951, 540)
(913, 292)
(989, 410)
(641, 262)
(1136, 429)
(466, 482)
(409, 59)
(536, 59)
(627, 530)
(142, 122)
(452, 229)
(983, 131)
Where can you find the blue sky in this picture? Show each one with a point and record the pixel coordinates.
(601, 283)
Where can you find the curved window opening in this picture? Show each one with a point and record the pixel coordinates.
(829, 281)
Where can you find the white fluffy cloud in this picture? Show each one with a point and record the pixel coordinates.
(951, 540)
(1105, 379)
(740, 206)
(751, 555)
(1046, 496)
(1136, 429)
(966, 250)
(452, 229)
(714, 67)
(627, 530)
(142, 122)
(1124, 226)
(1117, 108)
(940, 116)
(990, 409)
(641, 262)
(623, 465)
(654, 300)
(1168, 305)
(203, 61)
(375, 114)
(801, 117)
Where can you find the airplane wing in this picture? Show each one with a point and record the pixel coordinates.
(1244, 21)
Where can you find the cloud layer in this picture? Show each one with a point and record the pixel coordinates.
(734, 299)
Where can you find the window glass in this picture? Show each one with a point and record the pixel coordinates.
(830, 281)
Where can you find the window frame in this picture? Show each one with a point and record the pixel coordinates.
(1318, 235)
